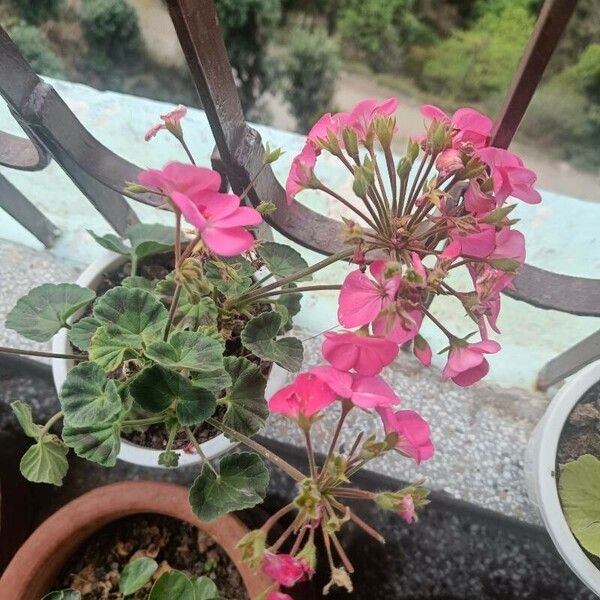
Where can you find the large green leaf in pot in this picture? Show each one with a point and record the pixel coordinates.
(136, 575)
(88, 397)
(157, 388)
(579, 490)
(282, 260)
(133, 310)
(96, 443)
(148, 239)
(241, 483)
(188, 350)
(214, 381)
(45, 461)
(259, 337)
(45, 309)
(110, 346)
(80, 334)
(193, 315)
(111, 242)
(172, 585)
(245, 399)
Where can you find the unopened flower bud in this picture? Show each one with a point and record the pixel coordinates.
(266, 207)
(384, 130)
(351, 142)
(271, 154)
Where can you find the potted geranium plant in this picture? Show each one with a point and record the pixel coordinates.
(563, 473)
(202, 335)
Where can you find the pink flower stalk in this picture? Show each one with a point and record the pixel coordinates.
(367, 355)
(466, 362)
(361, 299)
(171, 121)
(301, 172)
(407, 509)
(303, 398)
(469, 124)
(414, 435)
(285, 569)
(361, 117)
(364, 392)
(220, 220)
(510, 177)
(179, 177)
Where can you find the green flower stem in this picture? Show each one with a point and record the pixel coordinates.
(177, 237)
(298, 541)
(172, 434)
(186, 148)
(449, 335)
(24, 352)
(134, 264)
(340, 550)
(415, 194)
(53, 419)
(240, 437)
(201, 454)
(310, 454)
(346, 408)
(384, 196)
(285, 535)
(294, 277)
(172, 310)
(327, 544)
(413, 187)
(347, 204)
(389, 163)
(306, 288)
(344, 492)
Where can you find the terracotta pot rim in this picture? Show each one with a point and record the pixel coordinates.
(39, 560)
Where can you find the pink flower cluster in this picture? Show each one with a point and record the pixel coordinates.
(218, 217)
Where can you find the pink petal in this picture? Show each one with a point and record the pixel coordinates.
(227, 242)
(189, 210)
(339, 381)
(369, 392)
(359, 302)
(471, 376)
(433, 113)
(242, 217)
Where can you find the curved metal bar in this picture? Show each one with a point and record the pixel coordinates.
(21, 153)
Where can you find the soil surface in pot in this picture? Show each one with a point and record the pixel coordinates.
(156, 436)
(94, 570)
(581, 435)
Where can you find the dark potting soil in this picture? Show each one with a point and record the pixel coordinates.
(95, 569)
(581, 435)
(156, 436)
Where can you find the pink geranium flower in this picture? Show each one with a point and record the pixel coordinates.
(303, 398)
(361, 299)
(301, 172)
(414, 435)
(367, 355)
(339, 381)
(220, 220)
(510, 243)
(469, 124)
(449, 161)
(510, 177)
(361, 117)
(479, 243)
(171, 121)
(478, 202)
(179, 177)
(285, 568)
(327, 124)
(466, 362)
(399, 322)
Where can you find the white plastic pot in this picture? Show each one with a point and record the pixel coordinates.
(132, 453)
(540, 474)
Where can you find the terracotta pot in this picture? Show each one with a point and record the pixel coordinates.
(34, 568)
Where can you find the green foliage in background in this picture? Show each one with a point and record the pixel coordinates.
(37, 11)
(247, 26)
(30, 41)
(310, 69)
(382, 31)
(471, 65)
(112, 32)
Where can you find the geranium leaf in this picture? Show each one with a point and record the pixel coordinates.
(80, 334)
(259, 337)
(231, 276)
(188, 350)
(88, 397)
(157, 388)
(214, 381)
(96, 443)
(135, 281)
(282, 260)
(172, 585)
(204, 588)
(45, 309)
(133, 310)
(111, 242)
(136, 575)
(192, 315)
(245, 399)
(24, 416)
(168, 458)
(148, 239)
(241, 483)
(69, 594)
(110, 346)
(579, 490)
(45, 461)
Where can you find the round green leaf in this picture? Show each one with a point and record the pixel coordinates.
(45, 461)
(579, 490)
(148, 239)
(24, 416)
(46, 308)
(80, 334)
(188, 350)
(88, 397)
(111, 242)
(168, 458)
(245, 399)
(281, 260)
(157, 388)
(110, 346)
(214, 381)
(192, 315)
(99, 443)
(135, 281)
(133, 310)
(172, 585)
(69, 594)
(259, 337)
(241, 483)
(136, 575)
(204, 588)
